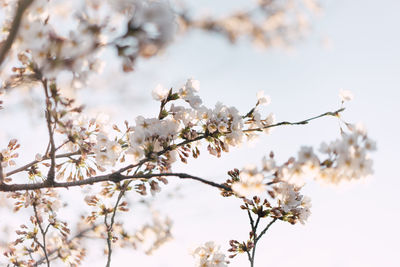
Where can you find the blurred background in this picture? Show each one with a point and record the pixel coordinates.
(352, 45)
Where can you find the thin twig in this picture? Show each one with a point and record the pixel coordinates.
(109, 236)
(43, 232)
(51, 174)
(1, 169)
(257, 238)
(22, 6)
(110, 226)
(78, 235)
(330, 113)
(27, 166)
(266, 229)
(251, 220)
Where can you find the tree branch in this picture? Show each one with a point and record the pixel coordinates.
(1, 170)
(43, 232)
(52, 252)
(257, 238)
(112, 177)
(110, 226)
(51, 174)
(266, 229)
(117, 176)
(330, 113)
(22, 6)
(45, 157)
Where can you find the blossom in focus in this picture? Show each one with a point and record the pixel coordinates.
(292, 202)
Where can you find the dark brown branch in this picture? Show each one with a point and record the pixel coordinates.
(22, 6)
(257, 238)
(266, 229)
(113, 177)
(1, 169)
(51, 174)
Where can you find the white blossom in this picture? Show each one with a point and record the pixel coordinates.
(159, 92)
(209, 255)
(263, 99)
(251, 182)
(345, 95)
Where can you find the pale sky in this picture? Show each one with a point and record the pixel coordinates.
(350, 226)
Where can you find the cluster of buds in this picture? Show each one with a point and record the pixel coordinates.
(8, 154)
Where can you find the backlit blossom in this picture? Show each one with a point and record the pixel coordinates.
(346, 95)
(250, 183)
(159, 92)
(209, 255)
(263, 99)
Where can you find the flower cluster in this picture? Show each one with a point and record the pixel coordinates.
(44, 221)
(294, 205)
(283, 200)
(152, 236)
(267, 24)
(88, 28)
(150, 136)
(209, 255)
(107, 151)
(348, 158)
(344, 159)
(82, 131)
(251, 182)
(50, 51)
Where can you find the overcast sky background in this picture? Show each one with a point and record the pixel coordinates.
(351, 226)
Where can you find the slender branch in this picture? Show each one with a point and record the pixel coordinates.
(22, 6)
(265, 229)
(51, 173)
(330, 113)
(109, 233)
(253, 252)
(54, 251)
(1, 170)
(45, 157)
(251, 221)
(110, 226)
(249, 256)
(256, 237)
(43, 232)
